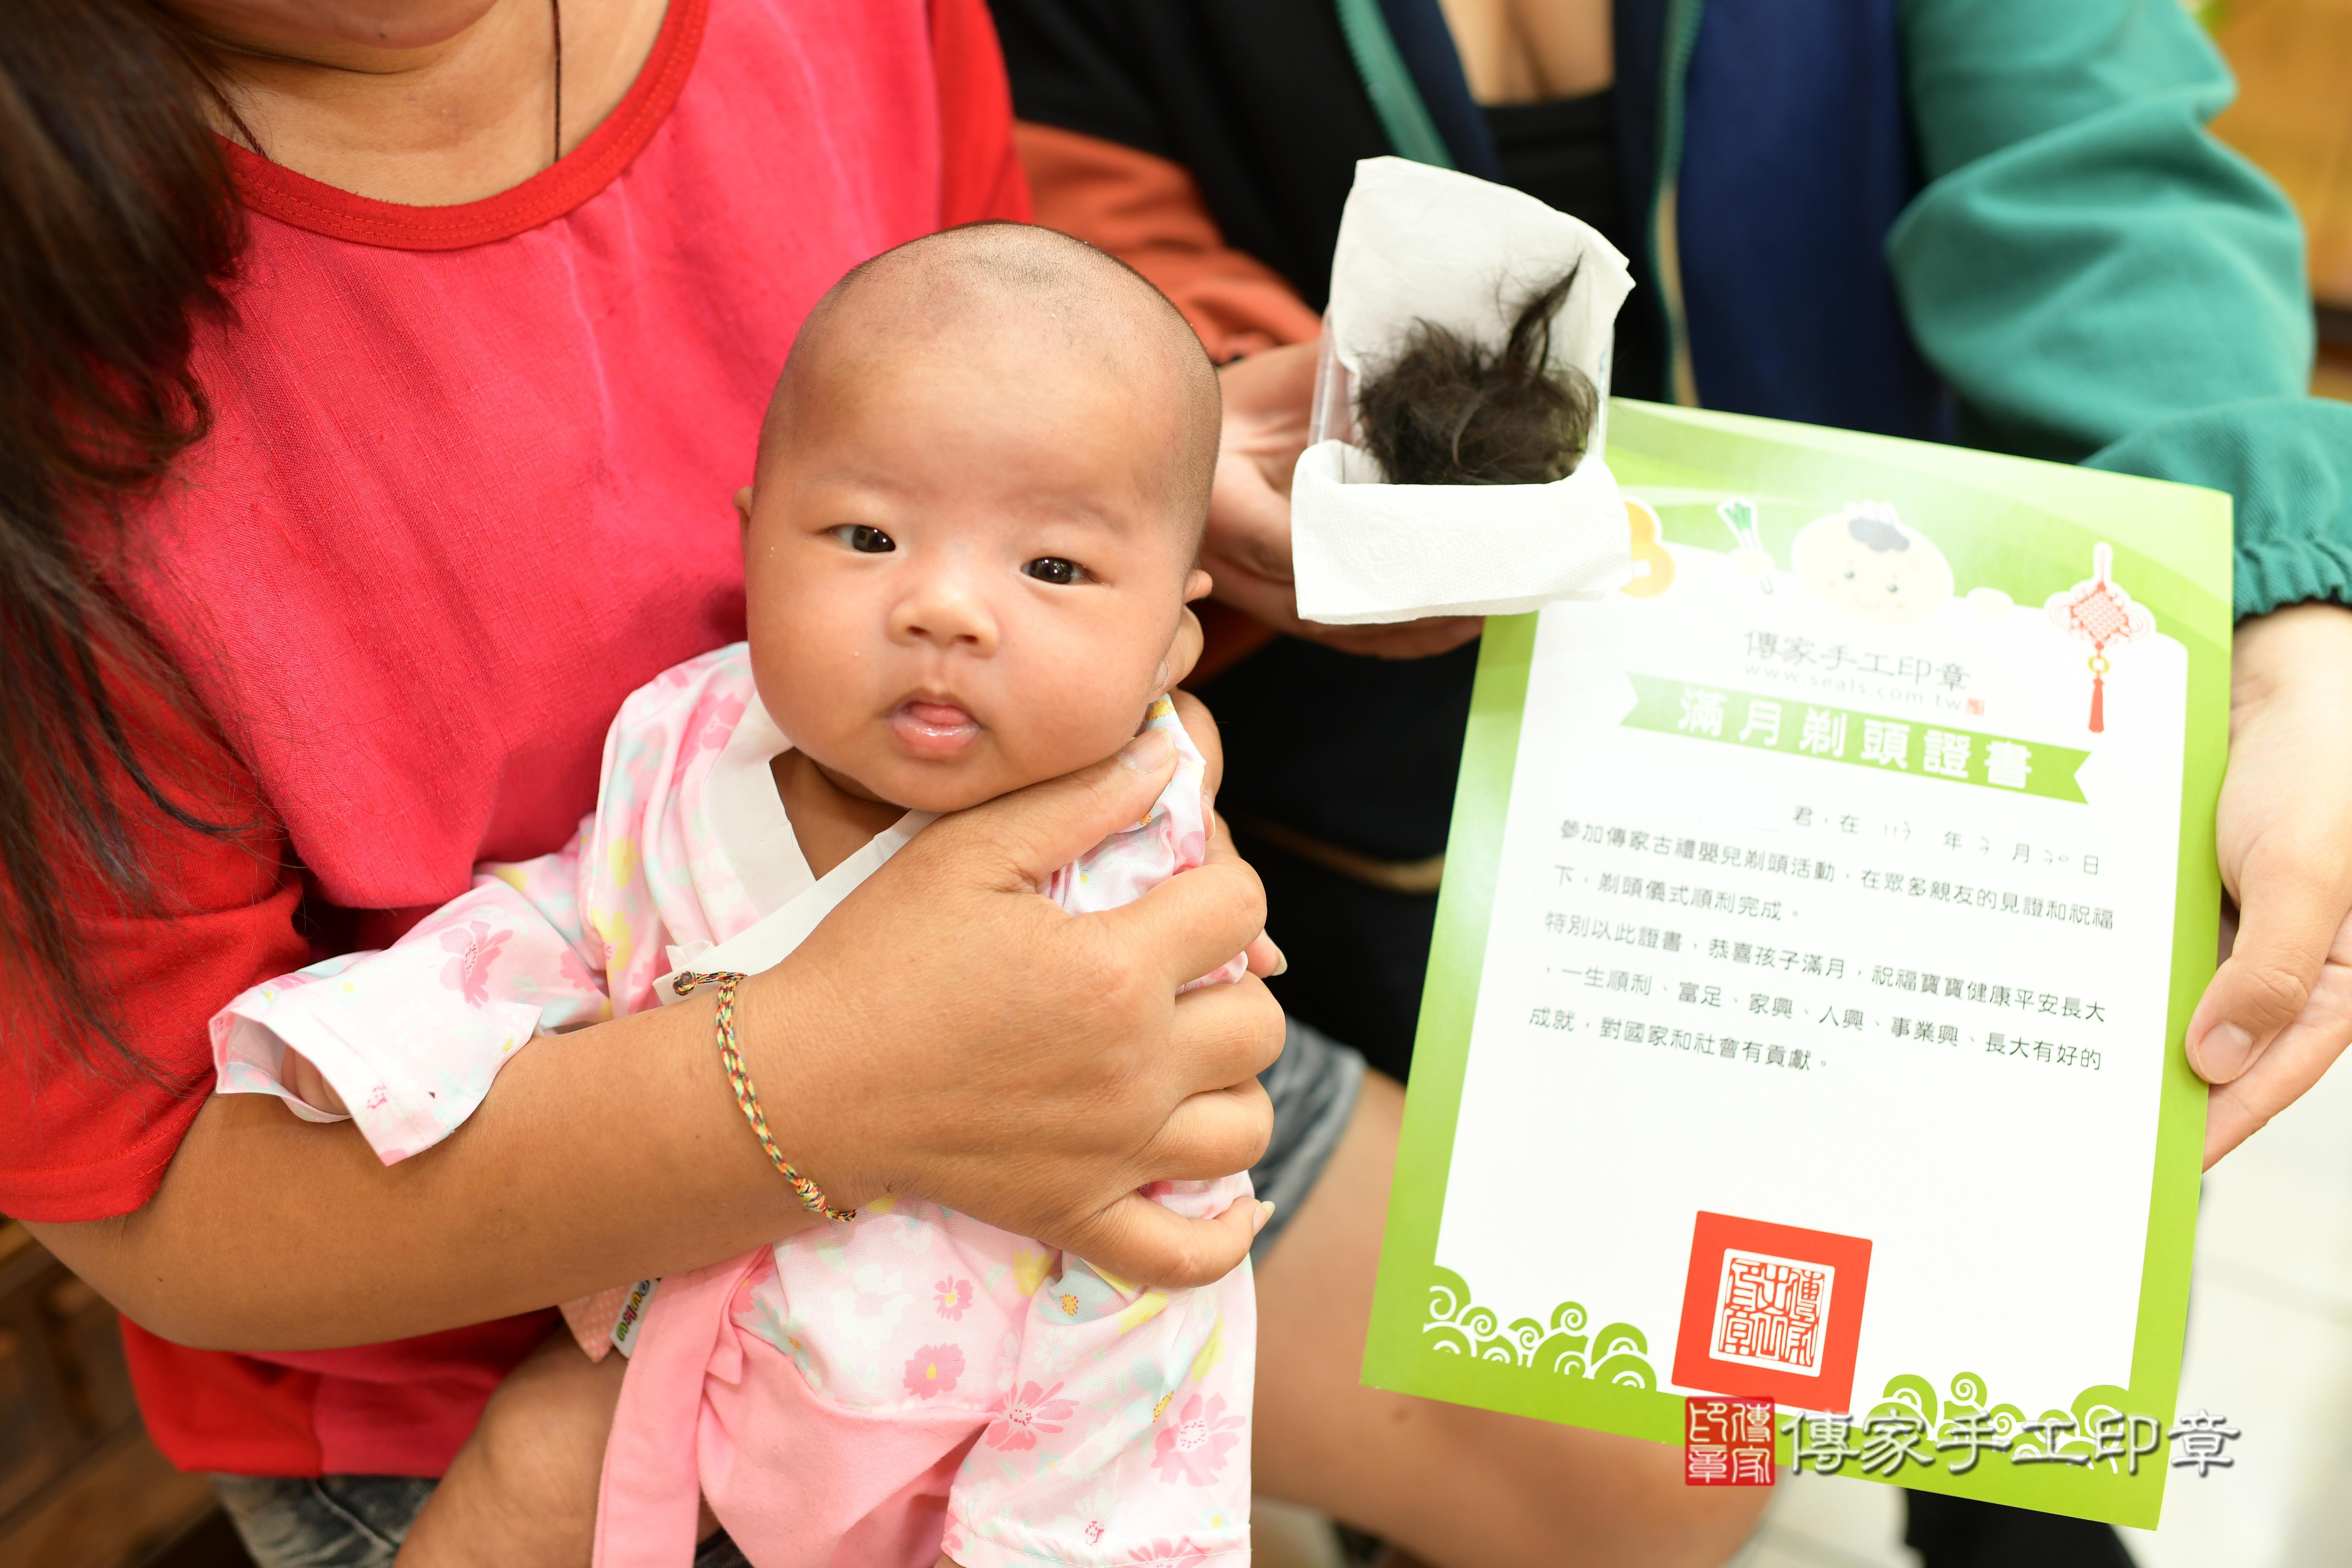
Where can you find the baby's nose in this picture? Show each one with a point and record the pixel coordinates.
(946, 612)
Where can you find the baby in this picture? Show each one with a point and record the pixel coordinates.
(981, 487)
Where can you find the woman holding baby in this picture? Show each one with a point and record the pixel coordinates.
(385, 375)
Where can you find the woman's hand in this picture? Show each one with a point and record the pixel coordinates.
(2280, 1011)
(1267, 404)
(1023, 1065)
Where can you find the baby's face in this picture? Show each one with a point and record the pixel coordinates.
(1876, 569)
(966, 571)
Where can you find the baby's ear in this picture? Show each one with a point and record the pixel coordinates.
(743, 505)
(1196, 584)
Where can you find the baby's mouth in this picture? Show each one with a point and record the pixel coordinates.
(929, 728)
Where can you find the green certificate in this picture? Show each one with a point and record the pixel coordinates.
(1822, 914)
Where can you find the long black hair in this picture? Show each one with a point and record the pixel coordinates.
(119, 227)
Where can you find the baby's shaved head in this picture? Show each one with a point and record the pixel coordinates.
(1072, 312)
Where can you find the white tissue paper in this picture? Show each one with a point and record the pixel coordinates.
(1424, 243)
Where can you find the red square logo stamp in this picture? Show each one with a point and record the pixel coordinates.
(1726, 1442)
(1772, 1311)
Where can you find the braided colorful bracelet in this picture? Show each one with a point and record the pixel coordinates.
(747, 1098)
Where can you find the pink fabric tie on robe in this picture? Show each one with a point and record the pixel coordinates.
(808, 1482)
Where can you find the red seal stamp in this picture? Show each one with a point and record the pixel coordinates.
(1726, 1442)
(1771, 1312)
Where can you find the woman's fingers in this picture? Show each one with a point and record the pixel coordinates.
(1213, 1134)
(1183, 651)
(1039, 830)
(1210, 1135)
(1138, 1239)
(1268, 404)
(1223, 1036)
(1274, 601)
(1403, 640)
(2291, 1063)
(2292, 906)
(1247, 553)
(1191, 924)
(1022, 1029)
(2276, 1014)
(1264, 959)
(1267, 401)
(1249, 524)
(1247, 546)
(2283, 832)
(1203, 729)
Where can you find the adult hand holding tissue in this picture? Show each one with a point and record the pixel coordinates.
(1420, 245)
(1267, 397)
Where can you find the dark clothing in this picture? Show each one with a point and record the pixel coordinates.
(1358, 751)
(1782, 129)
(1258, 99)
(1357, 953)
(1962, 1532)
(1564, 153)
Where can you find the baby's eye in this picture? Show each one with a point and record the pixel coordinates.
(1054, 569)
(866, 541)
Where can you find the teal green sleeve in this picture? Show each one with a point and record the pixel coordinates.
(2099, 280)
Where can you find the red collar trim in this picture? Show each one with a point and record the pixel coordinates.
(306, 204)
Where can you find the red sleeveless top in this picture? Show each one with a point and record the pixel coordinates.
(469, 486)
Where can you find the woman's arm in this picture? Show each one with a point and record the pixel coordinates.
(947, 1033)
(2100, 280)
(2087, 262)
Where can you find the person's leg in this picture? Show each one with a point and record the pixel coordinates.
(1455, 1487)
(522, 1493)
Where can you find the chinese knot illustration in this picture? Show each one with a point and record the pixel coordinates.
(2099, 612)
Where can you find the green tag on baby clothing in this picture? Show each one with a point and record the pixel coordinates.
(1745, 1081)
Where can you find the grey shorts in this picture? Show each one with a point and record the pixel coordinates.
(358, 1521)
(1314, 1086)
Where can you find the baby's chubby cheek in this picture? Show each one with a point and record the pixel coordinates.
(1089, 722)
(1077, 698)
